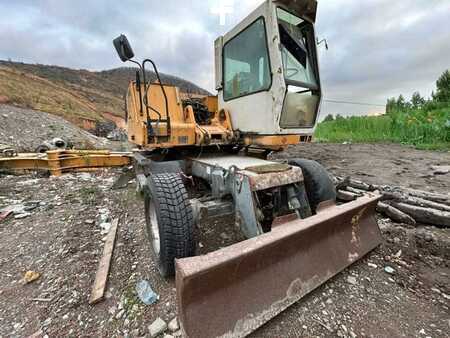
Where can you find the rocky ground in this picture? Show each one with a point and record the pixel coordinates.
(401, 289)
(25, 129)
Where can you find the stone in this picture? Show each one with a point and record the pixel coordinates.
(173, 325)
(372, 265)
(21, 216)
(389, 270)
(30, 276)
(224, 236)
(157, 327)
(352, 280)
(120, 314)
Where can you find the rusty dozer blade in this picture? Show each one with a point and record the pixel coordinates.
(234, 290)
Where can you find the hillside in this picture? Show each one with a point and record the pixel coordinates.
(80, 95)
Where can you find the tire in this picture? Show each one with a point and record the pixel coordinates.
(167, 205)
(42, 149)
(318, 184)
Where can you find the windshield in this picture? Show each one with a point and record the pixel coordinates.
(295, 35)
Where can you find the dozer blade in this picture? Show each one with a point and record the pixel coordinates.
(234, 290)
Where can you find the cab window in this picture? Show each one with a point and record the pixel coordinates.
(246, 62)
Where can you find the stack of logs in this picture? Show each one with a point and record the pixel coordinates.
(400, 204)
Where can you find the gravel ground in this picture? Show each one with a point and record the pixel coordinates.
(64, 223)
(26, 129)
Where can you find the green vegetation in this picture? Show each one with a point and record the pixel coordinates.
(424, 123)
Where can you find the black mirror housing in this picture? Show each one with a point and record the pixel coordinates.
(123, 48)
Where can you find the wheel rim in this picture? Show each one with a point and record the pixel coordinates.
(153, 227)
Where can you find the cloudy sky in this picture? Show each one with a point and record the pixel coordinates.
(377, 48)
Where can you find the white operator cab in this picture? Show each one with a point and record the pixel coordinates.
(267, 71)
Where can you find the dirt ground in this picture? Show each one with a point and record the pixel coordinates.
(60, 236)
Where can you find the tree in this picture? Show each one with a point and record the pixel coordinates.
(391, 105)
(401, 103)
(329, 117)
(443, 87)
(417, 101)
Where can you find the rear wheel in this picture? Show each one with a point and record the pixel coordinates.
(169, 221)
(318, 184)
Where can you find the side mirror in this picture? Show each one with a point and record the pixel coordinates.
(123, 48)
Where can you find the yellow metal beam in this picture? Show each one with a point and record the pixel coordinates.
(61, 161)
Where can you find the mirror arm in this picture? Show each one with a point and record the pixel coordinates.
(163, 90)
(140, 93)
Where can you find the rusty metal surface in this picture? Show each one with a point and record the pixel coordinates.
(306, 9)
(273, 179)
(60, 161)
(4, 214)
(234, 290)
(280, 220)
(269, 168)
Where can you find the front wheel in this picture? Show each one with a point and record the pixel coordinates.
(169, 221)
(318, 184)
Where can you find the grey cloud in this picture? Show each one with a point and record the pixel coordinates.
(378, 48)
(383, 48)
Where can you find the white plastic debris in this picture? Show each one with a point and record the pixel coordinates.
(145, 293)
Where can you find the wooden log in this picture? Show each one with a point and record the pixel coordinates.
(395, 214)
(360, 185)
(435, 197)
(342, 183)
(101, 277)
(358, 192)
(425, 215)
(346, 196)
(398, 197)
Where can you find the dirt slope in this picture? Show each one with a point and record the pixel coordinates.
(74, 94)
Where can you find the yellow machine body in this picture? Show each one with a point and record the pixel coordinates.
(178, 126)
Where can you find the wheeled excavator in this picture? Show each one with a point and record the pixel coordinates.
(198, 158)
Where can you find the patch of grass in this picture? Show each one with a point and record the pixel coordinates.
(420, 128)
(88, 195)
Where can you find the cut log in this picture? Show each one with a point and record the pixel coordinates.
(356, 191)
(403, 198)
(439, 198)
(101, 277)
(360, 185)
(395, 214)
(346, 196)
(425, 215)
(341, 182)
